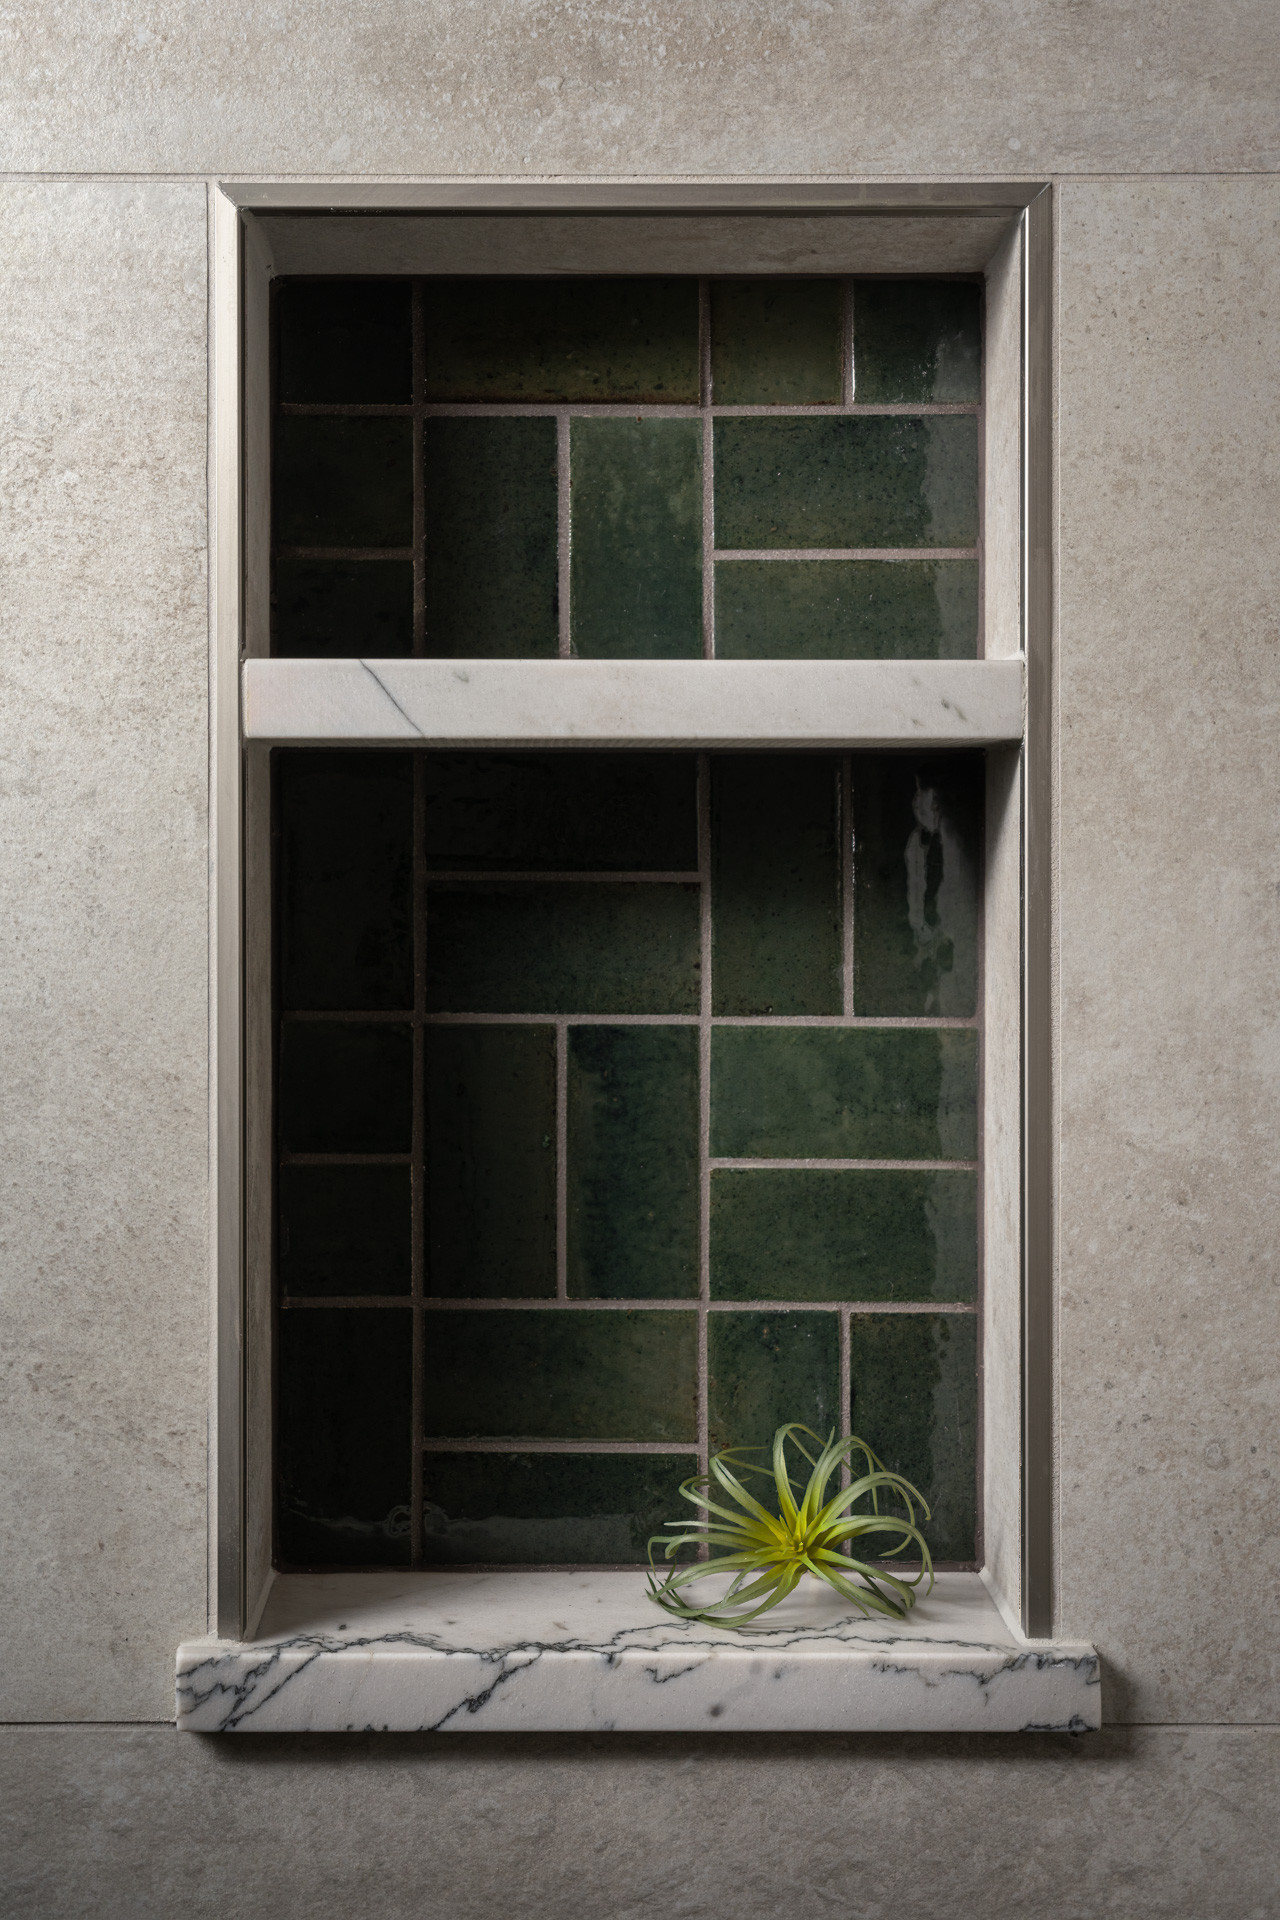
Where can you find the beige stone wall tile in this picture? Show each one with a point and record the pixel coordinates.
(103, 959)
(535, 87)
(1169, 871)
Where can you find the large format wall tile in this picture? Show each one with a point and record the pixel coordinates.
(104, 1033)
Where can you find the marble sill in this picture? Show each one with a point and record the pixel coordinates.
(588, 1652)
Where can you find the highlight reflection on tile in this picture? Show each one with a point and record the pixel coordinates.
(917, 862)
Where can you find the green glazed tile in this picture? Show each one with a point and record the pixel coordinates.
(617, 1375)
(347, 341)
(831, 1093)
(633, 1162)
(345, 854)
(775, 883)
(812, 1234)
(917, 865)
(342, 482)
(491, 1161)
(572, 947)
(915, 1403)
(563, 339)
(343, 1230)
(539, 1509)
(325, 609)
(765, 1369)
(636, 561)
(343, 1438)
(776, 342)
(491, 519)
(917, 340)
(563, 812)
(846, 609)
(888, 480)
(345, 1088)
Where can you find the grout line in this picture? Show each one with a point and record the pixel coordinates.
(564, 535)
(418, 1168)
(444, 876)
(846, 346)
(845, 553)
(353, 1302)
(374, 1016)
(624, 409)
(562, 1160)
(518, 1444)
(419, 481)
(846, 883)
(704, 1116)
(744, 1163)
(708, 473)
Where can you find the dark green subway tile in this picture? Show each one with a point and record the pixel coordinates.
(563, 812)
(343, 1230)
(324, 609)
(348, 341)
(491, 1161)
(570, 947)
(775, 883)
(637, 539)
(889, 480)
(612, 1375)
(765, 1369)
(915, 1403)
(535, 1509)
(776, 342)
(830, 1093)
(343, 1439)
(917, 865)
(345, 1087)
(814, 1234)
(917, 340)
(345, 880)
(532, 339)
(342, 482)
(846, 609)
(490, 507)
(633, 1162)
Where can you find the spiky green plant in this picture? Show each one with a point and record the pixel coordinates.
(769, 1554)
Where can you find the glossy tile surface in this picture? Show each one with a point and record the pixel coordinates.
(775, 880)
(562, 812)
(345, 1087)
(538, 1509)
(877, 481)
(846, 609)
(831, 1093)
(342, 482)
(917, 866)
(343, 1430)
(915, 1403)
(345, 854)
(533, 339)
(491, 516)
(636, 555)
(325, 609)
(348, 341)
(573, 947)
(633, 1162)
(768, 1368)
(812, 1234)
(491, 1161)
(343, 1230)
(917, 340)
(776, 342)
(617, 1375)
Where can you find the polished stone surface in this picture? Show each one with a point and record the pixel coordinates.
(555, 1652)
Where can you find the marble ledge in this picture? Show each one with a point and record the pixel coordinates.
(668, 703)
(499, 1652)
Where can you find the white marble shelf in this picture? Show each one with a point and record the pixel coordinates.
(671, 703)
(589, 1652)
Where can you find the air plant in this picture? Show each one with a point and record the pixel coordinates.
(769, 1554)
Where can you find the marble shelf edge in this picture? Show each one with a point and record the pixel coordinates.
(561, 1652)
(667, 703)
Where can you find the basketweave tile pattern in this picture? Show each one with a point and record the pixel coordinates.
(627, 1106)
(663, 468)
